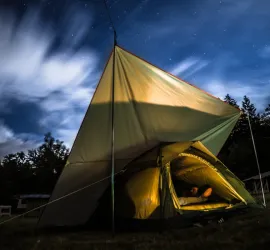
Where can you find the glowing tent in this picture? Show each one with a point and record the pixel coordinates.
(157, 118)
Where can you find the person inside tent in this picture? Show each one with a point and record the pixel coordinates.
(196, 195)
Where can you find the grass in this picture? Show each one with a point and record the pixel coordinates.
(246, 231)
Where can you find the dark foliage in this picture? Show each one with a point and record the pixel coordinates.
(34, 172)
(238, 152)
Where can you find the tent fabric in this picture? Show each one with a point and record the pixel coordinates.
(171, 187)
(211, 206)
(234, 181)
(200, 172)
(150, 107)
(142, 196)
(143, 191)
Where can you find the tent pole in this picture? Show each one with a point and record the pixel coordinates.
(112, 154)
(257, 160)
(112, 125)
(161, 190)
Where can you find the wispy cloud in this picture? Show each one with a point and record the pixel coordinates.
(183, 66)
(265, 52)
(11, 143)
(258, 94)
(225, 74)
(26, 66)
(32, 72)
(188, 67)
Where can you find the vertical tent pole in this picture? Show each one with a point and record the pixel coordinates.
(112, 125)
(161, 190)
(257, 160)
(112, 159)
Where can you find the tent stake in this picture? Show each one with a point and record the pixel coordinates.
(257, 160)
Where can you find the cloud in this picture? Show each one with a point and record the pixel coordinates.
(65, 125)
(32, 71)
(183, 66)
(11, 143)
(265, 52)
(188, 67)
(219, 88)
(226, 74)
(29, 71)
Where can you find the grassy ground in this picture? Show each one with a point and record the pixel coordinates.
(246, 231)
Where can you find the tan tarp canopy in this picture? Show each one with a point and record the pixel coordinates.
(151, 106)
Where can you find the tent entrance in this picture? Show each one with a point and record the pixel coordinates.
(190, 170)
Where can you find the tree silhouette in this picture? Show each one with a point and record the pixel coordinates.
(238, 152)
(34, 172)
(231, 101)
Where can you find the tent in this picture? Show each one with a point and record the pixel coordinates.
(157, 119)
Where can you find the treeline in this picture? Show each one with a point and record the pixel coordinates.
(38, 170)
(33, 172)
(238, 152)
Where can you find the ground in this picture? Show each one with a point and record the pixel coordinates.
(244, 231)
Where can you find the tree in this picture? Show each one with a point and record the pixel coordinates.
(238, 152)
(228, 99)
(265, 122)
(248, 109)
(33, 172)
(48, 161)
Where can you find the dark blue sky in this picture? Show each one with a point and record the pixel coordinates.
(53, 53)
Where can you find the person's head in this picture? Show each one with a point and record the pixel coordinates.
(194, 190)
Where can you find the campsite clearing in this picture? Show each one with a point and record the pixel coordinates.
(247, 231)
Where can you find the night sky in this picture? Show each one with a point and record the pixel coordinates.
(52, 54)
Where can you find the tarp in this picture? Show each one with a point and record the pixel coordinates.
(150, 106)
